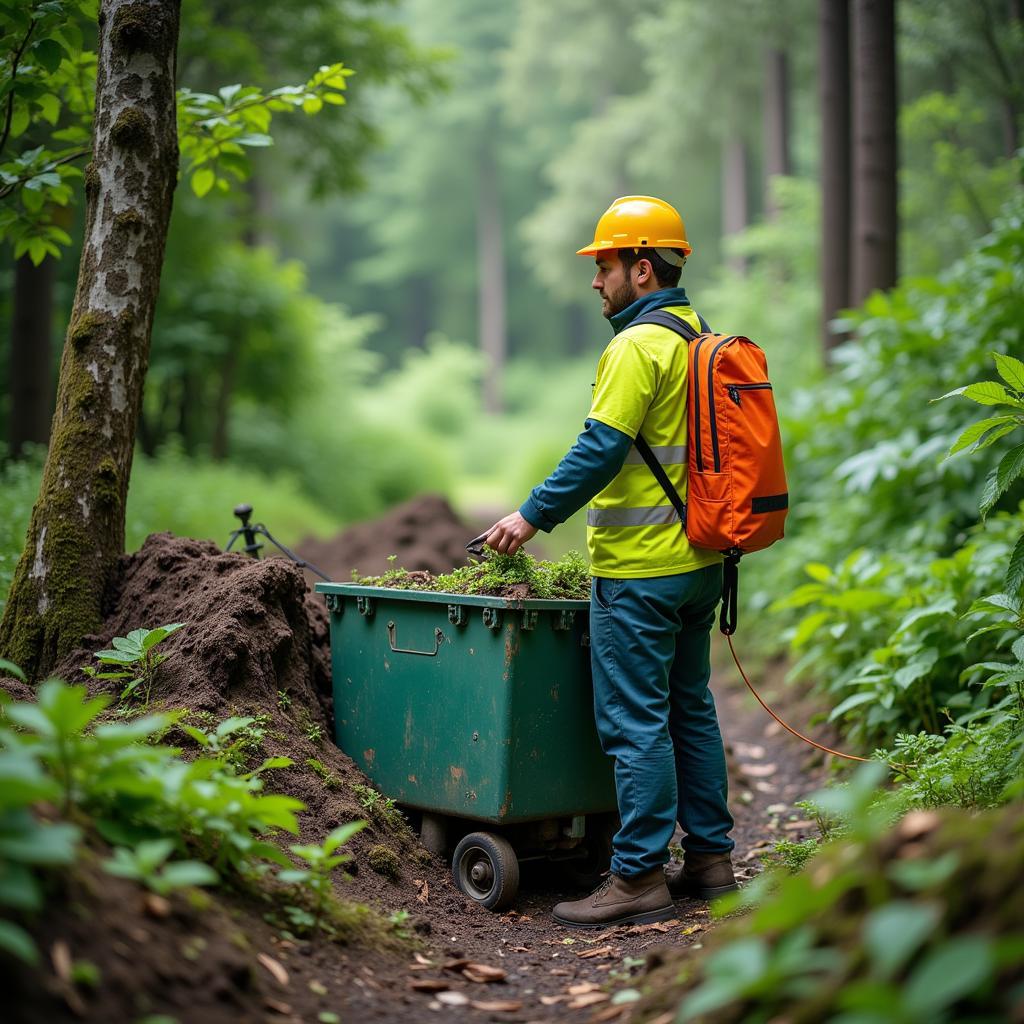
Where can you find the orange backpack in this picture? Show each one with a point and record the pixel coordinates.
(737, 481)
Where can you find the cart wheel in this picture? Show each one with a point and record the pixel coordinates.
(485, 868)
(587, 871)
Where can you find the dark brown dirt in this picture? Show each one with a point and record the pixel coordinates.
(252, 633)
(423, 533)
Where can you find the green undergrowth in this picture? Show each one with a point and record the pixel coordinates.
(496, 574)
(72, 779)
(897, 923)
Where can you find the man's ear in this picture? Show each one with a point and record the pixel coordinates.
(644, 271)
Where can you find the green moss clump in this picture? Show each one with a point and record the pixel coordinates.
(132, 129)
(384, 861)
(106, 485)
(330, 780)
(497, 574)
(85, 327)
(129, 220)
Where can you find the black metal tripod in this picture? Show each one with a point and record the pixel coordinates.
(252, 547)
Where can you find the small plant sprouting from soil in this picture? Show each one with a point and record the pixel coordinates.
(497, 574)
(315, 878)
(147, 864)
(137, 658)
(235, 740)
(330, 780)
(313, 731)
(381, 808)
(284, 700)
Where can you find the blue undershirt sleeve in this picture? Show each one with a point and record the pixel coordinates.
(589, 466)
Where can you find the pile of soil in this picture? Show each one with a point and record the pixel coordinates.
(424, 534)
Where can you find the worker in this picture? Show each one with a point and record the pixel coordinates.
(653, 595)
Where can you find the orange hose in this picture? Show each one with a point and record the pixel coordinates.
(799, 735)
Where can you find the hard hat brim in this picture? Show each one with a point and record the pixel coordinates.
(659, 243)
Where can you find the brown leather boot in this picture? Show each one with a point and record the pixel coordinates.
(637, 900)
(701, 875)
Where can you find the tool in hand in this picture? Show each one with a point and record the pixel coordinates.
(476, 545)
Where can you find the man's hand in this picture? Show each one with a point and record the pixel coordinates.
(508, 535)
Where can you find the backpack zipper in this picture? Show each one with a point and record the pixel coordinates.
(711, 404)
(735, 389)
(696, 407)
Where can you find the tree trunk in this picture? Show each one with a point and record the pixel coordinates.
(834, 89)
(735, 209)
(77, 529)
(491, 270)
(31, 377)
(1010, 111)
(875, 212)
(776, 124)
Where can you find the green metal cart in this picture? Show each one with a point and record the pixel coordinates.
(475, 713)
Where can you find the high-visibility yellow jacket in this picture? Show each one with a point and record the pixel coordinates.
(632, 528)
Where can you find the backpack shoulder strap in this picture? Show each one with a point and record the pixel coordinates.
(672, 322)
(678, 326)
(662, 477)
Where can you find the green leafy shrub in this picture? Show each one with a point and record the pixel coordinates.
(118, 778)
(893, 925)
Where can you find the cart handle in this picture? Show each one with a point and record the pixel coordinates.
(438, 640)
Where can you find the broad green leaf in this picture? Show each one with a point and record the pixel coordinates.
(41, 844)
(342, 834)
(11, 669)
(1018, 649)
(67, 707)
(947, 606)
(233, 724)
(16, 941)
(135, 638)
(48, 53)
(989, 494)
(854, 700)
(975, 431)
(312, 104)
(116, 657)
(895, 931)
(127, 645)
(818, 571)
(1011, 370)
(22, 780)
(1014, 580)
(293, 876)
(987, 392)
(950, 972)
(1010, 467)
(197, 734)
(19, 888)
(334, 98)
(154, 636)
(202, 181)
(272, 762)
(188, 872)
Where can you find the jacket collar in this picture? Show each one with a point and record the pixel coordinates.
(652, 300)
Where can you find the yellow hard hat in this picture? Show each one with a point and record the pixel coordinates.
(638, 222)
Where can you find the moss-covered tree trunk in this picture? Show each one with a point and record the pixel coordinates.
(77, 527)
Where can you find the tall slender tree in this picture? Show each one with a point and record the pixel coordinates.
(834, 94)
(31, 364)
(875, 210)
(77, 529)
(776, 116)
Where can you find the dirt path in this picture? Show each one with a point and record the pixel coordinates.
(550, 971)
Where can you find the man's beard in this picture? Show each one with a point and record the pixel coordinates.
(619, 299)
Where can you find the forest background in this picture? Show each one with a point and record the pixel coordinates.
(389, 302)
(386, 301)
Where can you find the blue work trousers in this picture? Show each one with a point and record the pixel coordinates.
(651, 657)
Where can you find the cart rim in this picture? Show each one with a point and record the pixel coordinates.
(475, 867)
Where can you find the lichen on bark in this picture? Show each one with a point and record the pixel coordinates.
(76, 533)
